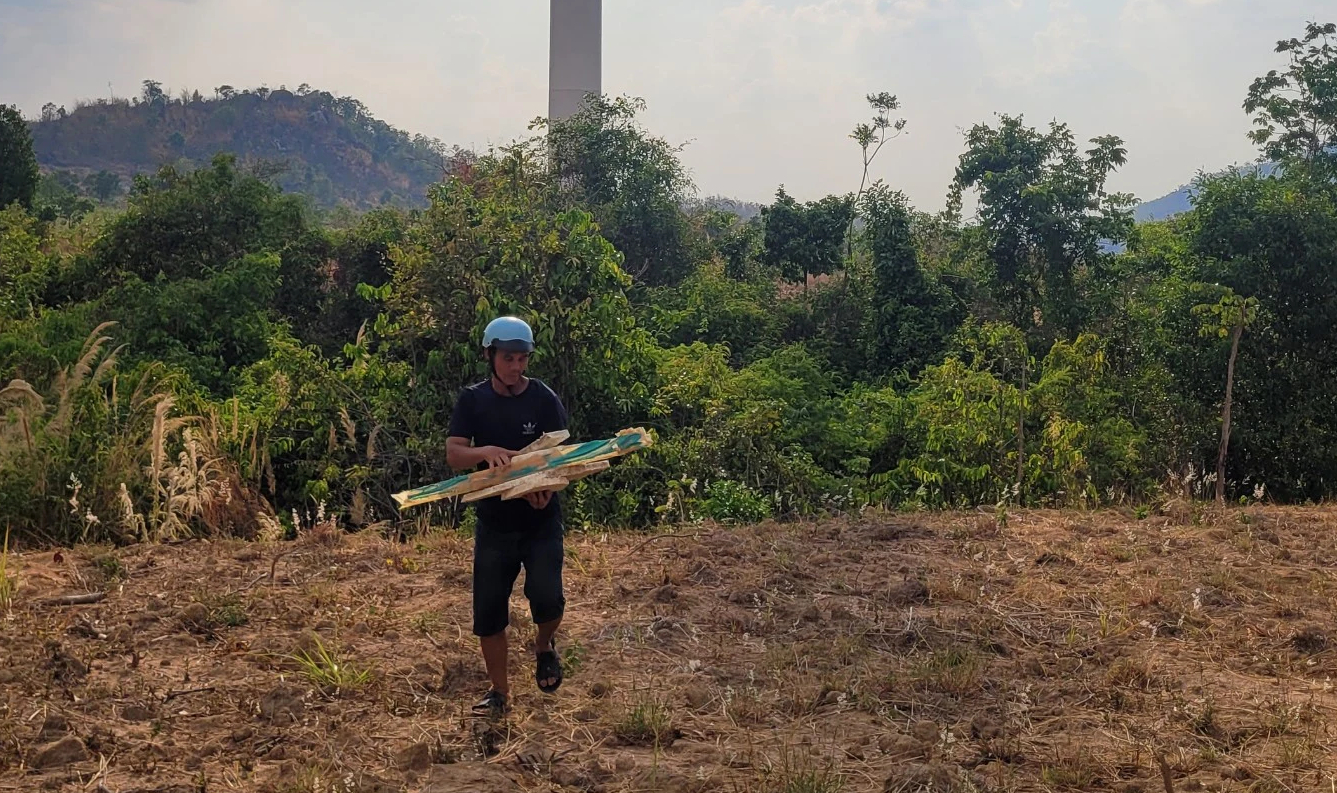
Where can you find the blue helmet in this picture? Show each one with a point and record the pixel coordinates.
(509, 333)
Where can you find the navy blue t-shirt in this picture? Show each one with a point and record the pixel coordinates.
(511, 422)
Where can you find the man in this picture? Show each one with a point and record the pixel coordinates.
(492, 420)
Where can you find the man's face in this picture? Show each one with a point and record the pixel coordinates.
(510, 366)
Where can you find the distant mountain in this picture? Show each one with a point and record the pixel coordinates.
(1181, 199)
(327, 147)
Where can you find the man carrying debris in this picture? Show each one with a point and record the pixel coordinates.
(493, 420)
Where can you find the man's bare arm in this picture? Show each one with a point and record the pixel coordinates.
(462, 455)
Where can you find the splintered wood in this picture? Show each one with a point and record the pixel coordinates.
(545, 464)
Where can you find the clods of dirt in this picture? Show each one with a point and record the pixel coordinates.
(283, 704)
(134, 712)
(415, 757)
(908, 593)
(925, 731)
(925, 778)
(468, 776)
(1311, 639)
(664, 594)
(64, 752)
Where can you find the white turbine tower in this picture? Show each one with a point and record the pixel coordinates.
(575, 55)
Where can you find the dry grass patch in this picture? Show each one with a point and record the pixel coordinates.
(891, 652)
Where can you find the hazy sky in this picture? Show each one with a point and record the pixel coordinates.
(763, 91)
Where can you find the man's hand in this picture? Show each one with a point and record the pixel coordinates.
(539, 498)
(495, 456)
(462, 455)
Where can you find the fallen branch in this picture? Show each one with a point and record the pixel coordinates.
(171, 695)
(1165, 773)
(675, 535)
(74, 600)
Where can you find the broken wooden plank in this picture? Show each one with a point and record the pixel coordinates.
(575, 472)
(499, 488)
(569, 473)
(533, 484)
(522, 465)
(546, 441)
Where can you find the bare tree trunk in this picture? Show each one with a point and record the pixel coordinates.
(1021, 428)
(1225, 412)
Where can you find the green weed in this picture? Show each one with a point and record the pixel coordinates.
(648, 722)
(7, 582)
(955, 671)
(328, 672)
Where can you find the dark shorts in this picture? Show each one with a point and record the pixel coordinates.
(498, 556)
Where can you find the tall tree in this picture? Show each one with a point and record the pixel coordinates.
(912, 314)
(805, 239)
(1296, 110)
(1274, 238)
(631, 181)
(1045, 214)
(1227, 317)
(18, 164)
(871, 137)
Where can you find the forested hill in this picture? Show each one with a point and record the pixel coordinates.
(329, 147)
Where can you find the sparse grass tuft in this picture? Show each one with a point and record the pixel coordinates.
(1129, 673)
(218, 611)
(1077, 772)
(573, 657)
(956, 670)
(648, 722)
(796, 772)
(110, 567)
(228, 611)
(7, 582)
(745, 706)
(326, 671)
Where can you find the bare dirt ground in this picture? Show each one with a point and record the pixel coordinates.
(1058, 651)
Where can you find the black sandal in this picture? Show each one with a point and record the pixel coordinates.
(492, 704)
(549, 667)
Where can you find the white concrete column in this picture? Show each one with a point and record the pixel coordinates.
(575, 55)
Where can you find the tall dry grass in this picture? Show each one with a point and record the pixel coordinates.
(92, 457)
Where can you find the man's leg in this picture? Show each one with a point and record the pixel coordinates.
(494, 658)
(543, 559)
(496, 564)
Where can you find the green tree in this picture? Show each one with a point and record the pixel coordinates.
(742, 249)
(59, 195)
(494, 245)
(1272, 238)
(912, 315)
(871, 137)
(200, 267)
(1295, 111)
(801, 240)
(18, 163)
(103, 185)
(1044, 213)
(631, 181)
(23, 266)
(1229, 316)
(153, 93)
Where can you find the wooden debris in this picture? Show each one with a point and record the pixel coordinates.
(74, 600)
(171, 695)
(543, 465)
(547, 441)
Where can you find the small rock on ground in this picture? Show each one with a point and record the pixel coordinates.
(63, 752)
